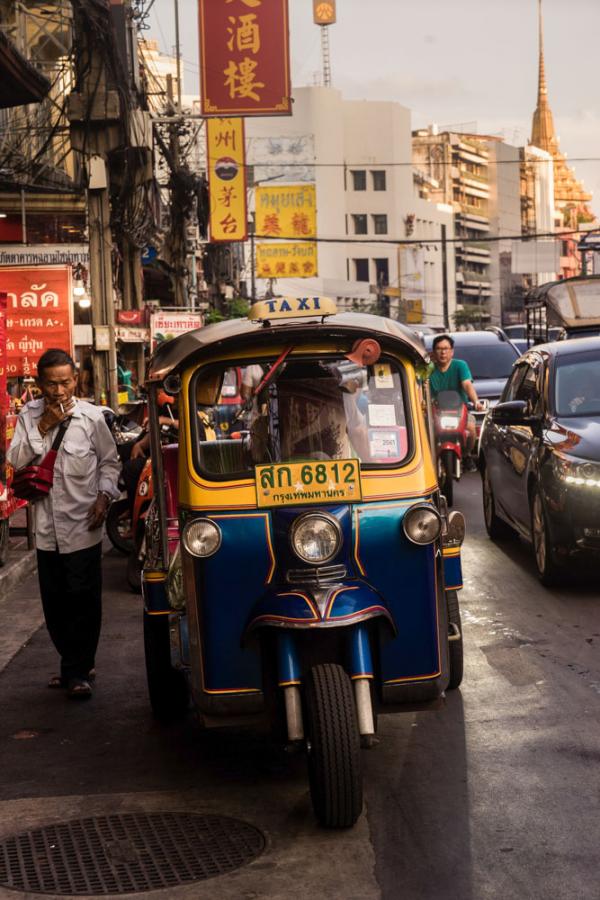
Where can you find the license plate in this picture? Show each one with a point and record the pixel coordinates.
(301, 483)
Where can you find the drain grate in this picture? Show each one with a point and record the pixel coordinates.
(126, 853)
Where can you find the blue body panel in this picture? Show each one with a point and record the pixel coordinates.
(228, 584)
(405, 575)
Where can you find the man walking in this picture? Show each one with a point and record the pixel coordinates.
(452, 374)
(68, 521)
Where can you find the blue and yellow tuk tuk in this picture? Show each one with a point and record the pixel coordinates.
(303, 572)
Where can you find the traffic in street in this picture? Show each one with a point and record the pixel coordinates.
(493, 795)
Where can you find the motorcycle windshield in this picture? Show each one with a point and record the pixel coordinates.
(449, 400)
(310, 410)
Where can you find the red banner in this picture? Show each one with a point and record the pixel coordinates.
(244, 58)
(38, 314)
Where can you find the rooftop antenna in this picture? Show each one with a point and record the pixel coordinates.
(324, 16)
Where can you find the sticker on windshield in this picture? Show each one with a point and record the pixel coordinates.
(387, 445)
(383, 376)
(382, 414)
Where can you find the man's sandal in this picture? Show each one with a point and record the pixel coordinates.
(57, 681)
(79, 689)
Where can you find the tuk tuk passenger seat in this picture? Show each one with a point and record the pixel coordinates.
(170, 452)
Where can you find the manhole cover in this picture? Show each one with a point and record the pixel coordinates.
(126, 853)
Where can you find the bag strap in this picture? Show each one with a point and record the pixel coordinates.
(60, 434)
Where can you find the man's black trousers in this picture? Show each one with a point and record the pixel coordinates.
(71, 589)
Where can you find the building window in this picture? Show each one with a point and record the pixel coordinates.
(380, 223)
(382, 271)
(378, 177)
(359, 179)
(361, 269)
(359, 221)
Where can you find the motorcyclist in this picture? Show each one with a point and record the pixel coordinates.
(451, 374)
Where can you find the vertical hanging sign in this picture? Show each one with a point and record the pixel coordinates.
(244, 58)
(227, 179)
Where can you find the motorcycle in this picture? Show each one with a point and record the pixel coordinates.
(126, 428)
(450, 422)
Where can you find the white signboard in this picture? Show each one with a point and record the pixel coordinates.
(164, 326)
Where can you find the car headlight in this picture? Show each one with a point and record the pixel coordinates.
(316, 537)
(576, 472)
(449, 421)
(201, 537)
(422, 524)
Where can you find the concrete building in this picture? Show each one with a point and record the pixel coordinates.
(455, 168)
(358, 155)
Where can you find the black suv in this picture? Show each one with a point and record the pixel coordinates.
(490, 357)
(540, 455)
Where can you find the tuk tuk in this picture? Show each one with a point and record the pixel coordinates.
(301, 574)
(571, 305)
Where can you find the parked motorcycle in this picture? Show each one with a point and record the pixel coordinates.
(126, 428)
(450, 417)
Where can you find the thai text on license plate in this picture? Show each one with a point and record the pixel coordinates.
(300, 483)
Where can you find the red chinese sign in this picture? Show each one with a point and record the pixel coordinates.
(245, 58)
(38, 314)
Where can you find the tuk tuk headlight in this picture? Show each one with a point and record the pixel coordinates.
(201, 537)
(422, 524)
(316, 537)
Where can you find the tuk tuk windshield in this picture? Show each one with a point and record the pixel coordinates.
(299, 410)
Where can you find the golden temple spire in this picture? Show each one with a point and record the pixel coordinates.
(542, 131)
(568, 191)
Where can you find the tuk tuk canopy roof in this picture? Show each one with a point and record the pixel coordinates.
(574, 301)
(172, 356)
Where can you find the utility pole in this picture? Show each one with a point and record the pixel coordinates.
(177, 236)
(95, 114)
(445, 311)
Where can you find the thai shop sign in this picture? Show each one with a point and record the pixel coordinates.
(3, 397)
(287, 211)
(245, 57)
(227, 179)
(38, 314)
(286, 260)
(164, 326)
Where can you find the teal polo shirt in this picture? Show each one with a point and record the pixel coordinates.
(452, 379)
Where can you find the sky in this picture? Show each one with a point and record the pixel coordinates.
(466, 63)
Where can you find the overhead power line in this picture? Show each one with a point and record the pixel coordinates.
(550, 235)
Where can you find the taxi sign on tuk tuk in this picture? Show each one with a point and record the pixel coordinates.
(292, 307)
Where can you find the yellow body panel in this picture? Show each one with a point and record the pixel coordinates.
(414, 478)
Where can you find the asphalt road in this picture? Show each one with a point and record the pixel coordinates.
(495, 795)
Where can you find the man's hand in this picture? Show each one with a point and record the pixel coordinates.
(139, 448)
(54, 413)
(97, 512)
(479, 406)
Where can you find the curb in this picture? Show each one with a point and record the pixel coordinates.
(17, 570)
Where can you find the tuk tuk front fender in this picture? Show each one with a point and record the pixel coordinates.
(333, 607)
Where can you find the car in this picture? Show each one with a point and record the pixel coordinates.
(539, 455)
(490, 357)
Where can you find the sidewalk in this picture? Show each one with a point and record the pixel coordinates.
(20, 562)
(20, 607)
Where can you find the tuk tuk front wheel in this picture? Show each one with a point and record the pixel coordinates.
(334, 759)
(167, 686)
(455, 642)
